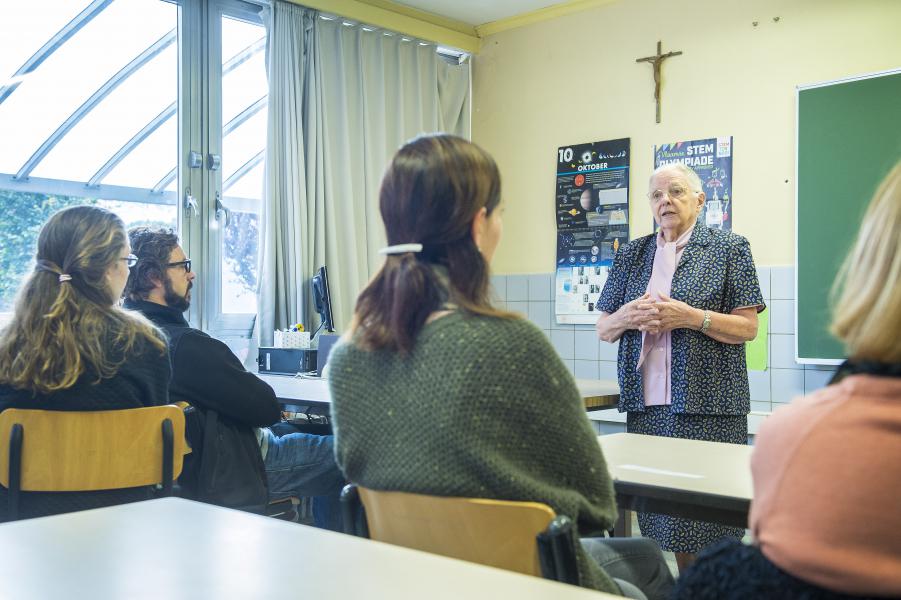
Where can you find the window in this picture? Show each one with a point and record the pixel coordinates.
(154, 109)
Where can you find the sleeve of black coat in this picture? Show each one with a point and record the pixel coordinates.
(208, 375)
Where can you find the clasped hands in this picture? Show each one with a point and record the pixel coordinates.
(658, 316)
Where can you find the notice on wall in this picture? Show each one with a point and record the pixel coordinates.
(712, 161)
(592, 204)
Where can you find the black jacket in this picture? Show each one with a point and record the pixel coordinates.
(225, 466)
(733, 570)
(206, 374)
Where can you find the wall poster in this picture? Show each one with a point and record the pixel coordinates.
(712, 161)
(592, 203)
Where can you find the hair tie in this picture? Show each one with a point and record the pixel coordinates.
(401, 249)
(63, 277)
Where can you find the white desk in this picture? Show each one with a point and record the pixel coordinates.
(293, 391)
(710, 481)
(174, 549)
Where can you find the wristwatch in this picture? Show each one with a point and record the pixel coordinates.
(706, 324)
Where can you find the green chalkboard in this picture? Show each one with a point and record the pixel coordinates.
(849, 137)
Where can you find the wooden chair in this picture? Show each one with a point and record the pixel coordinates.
(526, 537)
(62, 451)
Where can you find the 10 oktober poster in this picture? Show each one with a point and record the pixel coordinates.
(592, 204)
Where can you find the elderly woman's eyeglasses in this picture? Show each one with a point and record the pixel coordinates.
(130, 260)
(675, 192)
(186, 264)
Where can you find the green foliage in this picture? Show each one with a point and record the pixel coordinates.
(242, 239)
(21, 216)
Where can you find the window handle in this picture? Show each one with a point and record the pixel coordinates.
(222, 210)
(190, 204)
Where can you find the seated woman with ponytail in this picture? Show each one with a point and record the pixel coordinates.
(437, 392)
(68, 346)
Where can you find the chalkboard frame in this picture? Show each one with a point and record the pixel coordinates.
(834, 357)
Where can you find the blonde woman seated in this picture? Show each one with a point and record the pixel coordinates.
(70, 347)
(826, 515)
(439, 393)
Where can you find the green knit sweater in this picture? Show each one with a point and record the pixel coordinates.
(482, 407)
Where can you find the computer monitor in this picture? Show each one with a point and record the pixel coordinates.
(322, 300)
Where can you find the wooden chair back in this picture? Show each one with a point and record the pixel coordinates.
(64, 451)
(497, 533)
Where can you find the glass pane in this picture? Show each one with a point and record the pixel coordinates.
(72, 74)
(242, 87)
(78, 69)
(149, 161)
(25, 26)
(239, 263)
(250, 185)
(22, 214)
(142, 214)
(243, 143)
(117, 118)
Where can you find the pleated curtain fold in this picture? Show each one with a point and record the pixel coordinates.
(342, 99)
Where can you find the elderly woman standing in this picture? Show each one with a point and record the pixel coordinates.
(682, 302)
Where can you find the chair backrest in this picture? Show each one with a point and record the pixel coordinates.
(497, 533)
(63, 451)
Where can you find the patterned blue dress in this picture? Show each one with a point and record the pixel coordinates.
(710, 393)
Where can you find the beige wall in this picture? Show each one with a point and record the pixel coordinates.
(574, 79)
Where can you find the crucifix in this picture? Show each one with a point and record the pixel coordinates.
(657, 60)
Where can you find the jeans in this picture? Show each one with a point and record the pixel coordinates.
(303, 465)
(636, 565)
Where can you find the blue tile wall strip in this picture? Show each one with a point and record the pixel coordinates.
(588, 358)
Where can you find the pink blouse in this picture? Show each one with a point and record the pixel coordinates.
(656, 358)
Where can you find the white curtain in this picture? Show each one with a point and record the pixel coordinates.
(375, 91)
(290, 70)
(342, 100)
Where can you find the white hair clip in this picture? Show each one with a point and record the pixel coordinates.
(401, 249)
(63, 277)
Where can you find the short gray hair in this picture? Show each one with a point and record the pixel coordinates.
(693, 180)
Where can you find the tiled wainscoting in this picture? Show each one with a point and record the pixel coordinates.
(589, 358)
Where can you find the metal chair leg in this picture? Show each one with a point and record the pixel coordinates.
(16, 437)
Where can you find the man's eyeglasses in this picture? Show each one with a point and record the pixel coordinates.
(185, 264)
(130, 260)
(675, 192)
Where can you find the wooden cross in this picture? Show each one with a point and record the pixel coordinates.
(657, 60)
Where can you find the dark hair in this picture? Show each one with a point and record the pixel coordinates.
(153, 248)
(64, 327)
(433, 189)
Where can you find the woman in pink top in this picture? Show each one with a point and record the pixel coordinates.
(826, 515)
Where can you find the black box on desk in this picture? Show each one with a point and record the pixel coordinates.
(286, 361)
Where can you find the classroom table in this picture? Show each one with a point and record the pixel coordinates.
(173, 548)
(709, 481)
(294, 392)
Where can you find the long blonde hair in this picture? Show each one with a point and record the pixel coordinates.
(64, 328)
(867, 315)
